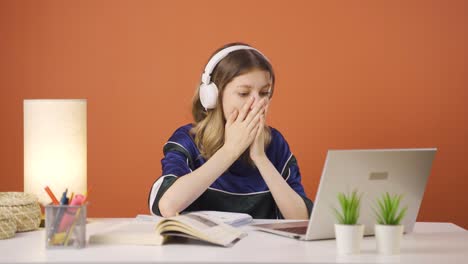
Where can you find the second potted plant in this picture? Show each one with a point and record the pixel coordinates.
(389, 231)
(348, 232)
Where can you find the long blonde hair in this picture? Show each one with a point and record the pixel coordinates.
(208, 128)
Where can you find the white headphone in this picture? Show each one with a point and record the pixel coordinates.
(209, 90)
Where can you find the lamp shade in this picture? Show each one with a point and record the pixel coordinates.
(55, 146)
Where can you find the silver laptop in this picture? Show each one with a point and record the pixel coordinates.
(372, 173)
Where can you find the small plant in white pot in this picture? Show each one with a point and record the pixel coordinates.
(348, 232)
(389, 231)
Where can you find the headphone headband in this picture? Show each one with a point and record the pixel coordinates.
(208, 90)
(206, 77)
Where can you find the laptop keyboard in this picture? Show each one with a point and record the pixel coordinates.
(302, 230)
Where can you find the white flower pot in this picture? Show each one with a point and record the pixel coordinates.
(388, 238)
(348, 238)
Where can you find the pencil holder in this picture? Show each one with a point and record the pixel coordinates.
(65, 226)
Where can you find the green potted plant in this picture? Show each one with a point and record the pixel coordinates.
(388, 230)
(348, 232)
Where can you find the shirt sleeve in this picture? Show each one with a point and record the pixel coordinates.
(293, 178)
(177, 162)
(288, 167)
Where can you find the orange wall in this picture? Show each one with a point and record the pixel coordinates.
(351, 74)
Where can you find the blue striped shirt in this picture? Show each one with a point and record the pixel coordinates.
(241, 188)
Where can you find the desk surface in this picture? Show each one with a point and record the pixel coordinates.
(429, 243)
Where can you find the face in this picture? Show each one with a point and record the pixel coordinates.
(256, 83)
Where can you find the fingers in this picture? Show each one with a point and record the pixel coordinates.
(262, 123)
(258, 130)
(258, 109)
(253, 124)
(260, 126)
(245, 109)
(255, 131)
(232, 117)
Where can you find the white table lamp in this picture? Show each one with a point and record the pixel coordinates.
(55, 147)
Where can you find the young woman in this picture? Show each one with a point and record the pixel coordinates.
(229, 159)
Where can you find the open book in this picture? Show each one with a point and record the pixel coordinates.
(234, 219)
(195, 225)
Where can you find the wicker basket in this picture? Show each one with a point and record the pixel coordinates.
(23, 207)
(7, 225)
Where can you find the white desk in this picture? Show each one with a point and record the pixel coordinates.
(429, 243)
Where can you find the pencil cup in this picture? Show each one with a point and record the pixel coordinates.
(65, 226)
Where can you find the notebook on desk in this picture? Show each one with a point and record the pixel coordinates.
(371, 172)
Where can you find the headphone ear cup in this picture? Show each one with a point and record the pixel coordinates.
(208, 95)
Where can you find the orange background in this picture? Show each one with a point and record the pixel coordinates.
(350, 74)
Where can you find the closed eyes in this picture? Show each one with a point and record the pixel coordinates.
(263, 94)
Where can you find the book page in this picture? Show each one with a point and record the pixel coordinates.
(202, 226)
(230, 218)
(130, 233)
